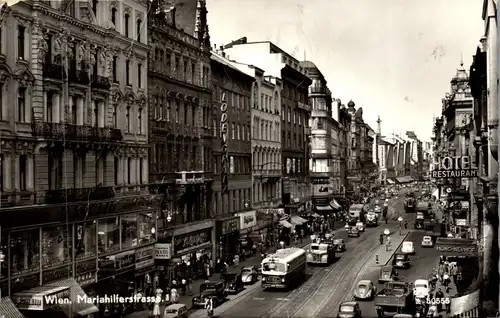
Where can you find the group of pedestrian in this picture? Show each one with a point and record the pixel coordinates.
(445, 273)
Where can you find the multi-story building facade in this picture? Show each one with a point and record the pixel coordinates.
(180, 116)
(321, 164)
(295, 113)
(75, 195)
(345, 158)
(232, 152)
(335, 133)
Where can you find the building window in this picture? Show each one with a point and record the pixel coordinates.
(21, 104)
(233, 131)
(20, 41)
(108, 231)
(127, 115)
(139, 75)
(115, 117)
(1, 97)
(95, 114)
(129, 169)
(127, 20)
(289, 114)
(25, 251)
(193, 76)
(185, 70)
(139, 121)
(113, 16)
(141, 168)
(127, 72)
(116, 169)
(115, 60)
(139, 26)
(50, 96)
(23, 168)
(74, 114)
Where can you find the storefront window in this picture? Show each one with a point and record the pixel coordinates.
(108, 235)
(85, 239)
(55, 246)
(129, 230)
(147, 227)
(3, 255)
(25, 251)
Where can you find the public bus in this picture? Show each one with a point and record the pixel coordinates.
(284, 269)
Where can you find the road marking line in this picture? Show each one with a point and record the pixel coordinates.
(259, 298)
(283, 299)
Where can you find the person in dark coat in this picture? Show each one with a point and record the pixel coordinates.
(439, 295)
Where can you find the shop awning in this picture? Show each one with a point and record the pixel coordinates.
(286, 224)
(297, 220)
(76, 292)
(315, 215)
(335, 205)
(36, 298)
(8, 309)
(390, 181)
(323, 208)
(404, 179)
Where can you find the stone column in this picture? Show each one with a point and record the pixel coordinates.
(7, 172)
(29, 173)
(56, 108)
(137, 170)
(145, 170)
(80, 111)
(101, 114)
(70, 111)
(16, 172)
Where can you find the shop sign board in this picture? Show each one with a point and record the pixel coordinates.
(247, 219)
(454, 167)
(191, 241)
(125, 260)
(230, 226)
(461, 222)
(86, 279)
(223, 141)
(163, 251)
(144, 257)
(56, 274)
(286, 186)
(38, 301)
(456, 247)
(86, 266)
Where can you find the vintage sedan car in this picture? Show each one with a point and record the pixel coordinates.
(339, 245)
(360, 226)
(210, 290)
(421, 290)
(234, 283)
(427, 241)
(353, 231)
(249, 275)
(175, 311)
(407, 248)
(401, 260)
(387, 274)
(349, 309)
(365, 290)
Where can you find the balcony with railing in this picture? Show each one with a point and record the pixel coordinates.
(84, 133)
(184, 130)
(303, 106)
(79, 194)
(79, 77)
(317, 89)
(53, 71)
(100, 82)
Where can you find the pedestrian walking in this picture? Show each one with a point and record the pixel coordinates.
(406, 224)
(439, 298)
(174, 296)
(236, 260)
(183, 286)
(446, 280)
(282, 244)
(381, 238)
(454, 272)
(156, 307)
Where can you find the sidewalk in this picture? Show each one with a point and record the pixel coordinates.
(187, 299)
(384, 255)
(452, 293)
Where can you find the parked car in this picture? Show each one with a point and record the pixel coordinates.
(365, 290)
(349, 309)
(175, 311)
(249, 275)
(210, 290)
(353, 231)
(401, 260)
(234, 283)
(427, 241)
(387, 274)
(339, 245)
(360, 226)
(407, 247)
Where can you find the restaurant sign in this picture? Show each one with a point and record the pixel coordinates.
(454, 167)
(163, 251)
(456, 247)
(190, 241)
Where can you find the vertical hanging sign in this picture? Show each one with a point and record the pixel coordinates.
(225, 156)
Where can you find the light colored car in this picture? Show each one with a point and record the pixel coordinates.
(427, 241)
(421, 289)
(176, 311)
(360, 226)
(365, 290)
(353, 231)
(407, 247)
(249, 275)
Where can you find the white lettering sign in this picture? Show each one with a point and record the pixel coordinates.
(163, 251)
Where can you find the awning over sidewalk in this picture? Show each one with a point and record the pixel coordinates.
(404, 179)
(286, 224)
(323, 208)
(36, 298)
(390, 181)
(8, 309)
(315, 215)
(335, 204)
(297, 220)
(76, 292)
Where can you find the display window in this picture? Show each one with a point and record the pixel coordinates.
(108, 233)
(129, 230)
(3, 255)
(25, 251)
(147, 227)
(56, 246)
(85, 239)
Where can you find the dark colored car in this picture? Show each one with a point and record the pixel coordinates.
(387, 274)
(401, 260)
(349, 309)
(234, 283)
(339, 245)
(210, 290)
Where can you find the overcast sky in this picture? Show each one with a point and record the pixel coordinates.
(394, 58)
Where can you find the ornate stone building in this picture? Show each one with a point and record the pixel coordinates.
(179, 82)
(74, 147)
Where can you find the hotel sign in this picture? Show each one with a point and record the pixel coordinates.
(454, 167)
(224, 151)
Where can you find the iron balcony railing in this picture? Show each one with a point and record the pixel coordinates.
(79, 77)
(100, 82)
(78, 194)
(76, 132)
(53, 71)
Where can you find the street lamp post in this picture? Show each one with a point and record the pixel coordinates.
(400, 219)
